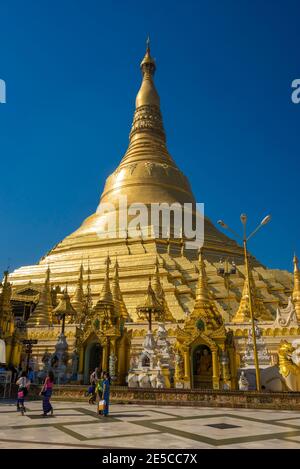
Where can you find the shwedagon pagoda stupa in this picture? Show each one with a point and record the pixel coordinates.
(108, 278)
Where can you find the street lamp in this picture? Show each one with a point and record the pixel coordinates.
(245, 239)
(28, 349)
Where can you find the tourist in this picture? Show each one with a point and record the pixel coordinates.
(23, 386)
(99, 390)
(30, 374)
(94, 377)
(46, 392)
(105, 393)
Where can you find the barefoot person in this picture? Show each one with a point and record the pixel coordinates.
(46, 392)
(23, 385)
(105, 393)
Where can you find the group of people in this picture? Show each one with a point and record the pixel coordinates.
(99, 391)
(23, 382)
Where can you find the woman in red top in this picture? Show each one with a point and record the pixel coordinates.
(46, 392)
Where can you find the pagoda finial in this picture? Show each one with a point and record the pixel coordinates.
(296, 289)
(205, 311)
(106, 295)
(156, 281)
(296, 263)
(259, 308)
(147, 95)
(78, 296)
(5, 305)
(117, 294)
(202, 291)
(42, 315)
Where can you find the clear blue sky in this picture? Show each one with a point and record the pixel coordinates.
(224, 73)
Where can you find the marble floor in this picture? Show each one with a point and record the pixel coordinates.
(76, 425)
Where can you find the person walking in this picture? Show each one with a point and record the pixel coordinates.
(94, 377)
(99, 391)
(23, 386)
(105, 393)
(46, 392)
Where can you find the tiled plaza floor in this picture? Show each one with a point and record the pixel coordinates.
(76, 425)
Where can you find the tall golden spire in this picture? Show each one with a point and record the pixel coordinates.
(205, 311)
(106, 295)
(117, 294)
(159, 292)
(260, 311)
(88, 296)
(6, 316)
(42, 315)
(147, 95)
(78, 299)
(5, 306)
(296, 289)
(202, 291)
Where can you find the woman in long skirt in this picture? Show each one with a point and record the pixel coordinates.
(46, 392)
(105, 393)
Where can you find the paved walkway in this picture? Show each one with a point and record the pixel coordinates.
(75, 425)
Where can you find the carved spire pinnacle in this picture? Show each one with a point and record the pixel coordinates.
(5, 296)
(158, 290)
(42, 315)
(296, 289)
(117, 294)
(202, 291)
(205, 314)
(106, 295)
(260, 311)
(78, 296)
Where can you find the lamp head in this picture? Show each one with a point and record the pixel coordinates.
(243, 218)
(221, 223)
(266, 220)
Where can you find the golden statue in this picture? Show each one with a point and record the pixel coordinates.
(288, 369)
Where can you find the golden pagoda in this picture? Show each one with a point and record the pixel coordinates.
(42, 315)
(147, 174)
(260, 311)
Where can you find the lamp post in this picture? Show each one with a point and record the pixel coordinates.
(245, 239)
(62, 317)
(28, 349)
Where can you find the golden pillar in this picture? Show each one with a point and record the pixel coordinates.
(216, 369)
(122, 361)
(81, 360)
(105, 356)
(187, 367)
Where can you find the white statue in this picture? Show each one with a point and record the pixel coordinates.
(243, 382)
(160, 380)
(132, 380)
(144, 380)
(153, 380)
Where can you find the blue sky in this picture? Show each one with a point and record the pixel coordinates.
(224, 73)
